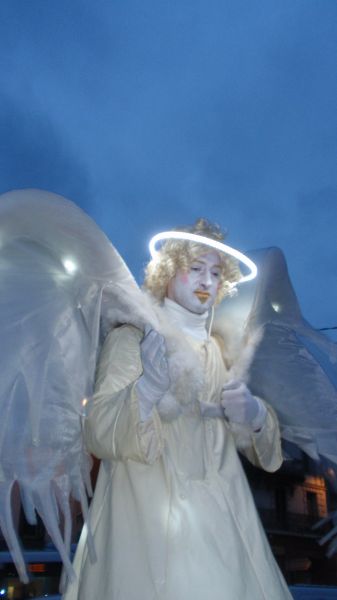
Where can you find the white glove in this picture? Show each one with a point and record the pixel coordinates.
(241, 407)
(155, 380)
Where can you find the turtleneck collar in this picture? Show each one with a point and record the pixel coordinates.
(191, 323)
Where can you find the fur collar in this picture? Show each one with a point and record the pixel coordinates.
(186, 371)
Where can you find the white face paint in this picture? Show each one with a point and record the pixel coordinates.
(197, 288)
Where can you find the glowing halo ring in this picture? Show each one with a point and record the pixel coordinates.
(201, 239)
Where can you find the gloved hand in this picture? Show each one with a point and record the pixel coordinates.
(241, 407)
(155, 380)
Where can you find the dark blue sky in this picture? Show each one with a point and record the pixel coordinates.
(150, 114)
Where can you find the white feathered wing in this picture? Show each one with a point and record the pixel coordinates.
(59, 276)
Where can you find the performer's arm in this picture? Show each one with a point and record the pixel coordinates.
(265, 449)
(254, 426)
(115, 427)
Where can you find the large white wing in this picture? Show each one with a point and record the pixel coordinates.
(294, 367)
(59, 276)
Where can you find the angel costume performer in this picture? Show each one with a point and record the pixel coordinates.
(172, 516)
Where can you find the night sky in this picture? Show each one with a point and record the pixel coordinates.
(151, 114)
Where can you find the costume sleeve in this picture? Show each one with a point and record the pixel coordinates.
(113, 428)
(263, 448)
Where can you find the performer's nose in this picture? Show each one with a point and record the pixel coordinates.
(205, 279)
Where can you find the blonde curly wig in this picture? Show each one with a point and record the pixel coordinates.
(179, 254)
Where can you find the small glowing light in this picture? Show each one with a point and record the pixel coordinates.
(276, 307)
(70, 266)
(2, 592)
(201, 239)
(86, 405)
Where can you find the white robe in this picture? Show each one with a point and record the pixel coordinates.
(173, 517)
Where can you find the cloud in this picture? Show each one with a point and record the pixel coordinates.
(34, 154)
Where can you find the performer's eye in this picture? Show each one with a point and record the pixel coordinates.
(195, 268)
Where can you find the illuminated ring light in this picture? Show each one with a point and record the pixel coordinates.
(201, 239)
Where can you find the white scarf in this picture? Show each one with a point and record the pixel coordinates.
(190, 323)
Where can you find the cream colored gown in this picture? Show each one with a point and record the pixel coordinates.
(173, 517)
